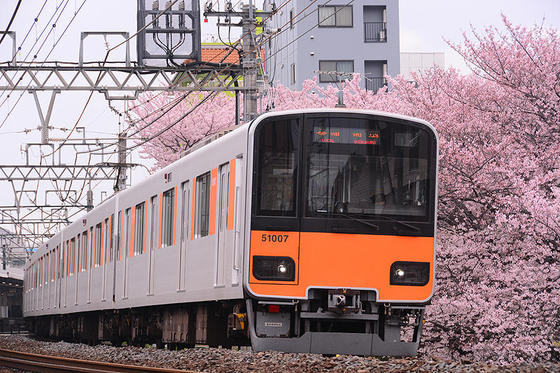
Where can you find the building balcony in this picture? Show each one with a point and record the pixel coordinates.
(373, 83)
(375, 32)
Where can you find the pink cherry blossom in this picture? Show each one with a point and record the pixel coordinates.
(498, 257)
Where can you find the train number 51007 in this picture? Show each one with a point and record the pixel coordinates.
(274, 237)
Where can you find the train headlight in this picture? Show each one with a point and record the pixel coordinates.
(274, 268)
(410, 273)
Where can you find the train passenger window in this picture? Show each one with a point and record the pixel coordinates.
(106, 241)
(153, 222)
(84, 250)
(202, 210)
(98, 242)
(139, 229)
(91, 247)
(72, 255)
(111, 243)
(127, 241)
(276, 167)
(168, 209)
(78, 253)
(57, 251)
(119, 243)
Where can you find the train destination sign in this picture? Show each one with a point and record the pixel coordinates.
(343, 135)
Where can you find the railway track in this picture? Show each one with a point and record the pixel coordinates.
(55, 364)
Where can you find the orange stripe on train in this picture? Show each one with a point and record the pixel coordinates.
(344, 261)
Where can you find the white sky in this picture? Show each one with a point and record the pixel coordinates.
(423, 25)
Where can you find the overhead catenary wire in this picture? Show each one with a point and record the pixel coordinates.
(35, 20)
(10, 23)
(178, 100)
(34, 57)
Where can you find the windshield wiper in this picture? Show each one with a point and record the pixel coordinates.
(358, 220)
(402, 223)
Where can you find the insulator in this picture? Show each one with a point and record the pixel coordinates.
(181, 5)
(155, 5)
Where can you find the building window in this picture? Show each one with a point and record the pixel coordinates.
(335, 71)
(335, 16)
(202, 215)
(291, 19)
(139, 229)
(375, 24)
(293, 74)
(168, 209)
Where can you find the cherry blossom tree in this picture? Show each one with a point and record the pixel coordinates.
(212, 116)
(498, 257)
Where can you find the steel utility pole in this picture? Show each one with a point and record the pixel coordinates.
(249, 62)
(248, 55)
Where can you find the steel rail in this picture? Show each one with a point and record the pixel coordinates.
(55, 364)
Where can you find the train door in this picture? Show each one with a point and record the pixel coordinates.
(89, 254)
(105, 257)
(184, 224)
(126, 250)
(153, 240)
(59, 275)
(223, 195)
(65, 269)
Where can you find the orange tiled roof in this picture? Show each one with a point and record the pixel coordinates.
(215, 53)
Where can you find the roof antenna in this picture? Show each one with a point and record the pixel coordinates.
(340, 103)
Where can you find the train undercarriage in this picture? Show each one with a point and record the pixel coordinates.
(336, 321)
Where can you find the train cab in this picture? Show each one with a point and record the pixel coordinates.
(341, 247)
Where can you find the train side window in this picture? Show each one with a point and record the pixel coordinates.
(139, 229)
(119, 233)
(106, 242)
(84, 250)
(72, 255)
(167, 221)
(153, 220)
(91, 247)
(98, 241)
(111, 241)
(78, 253)
(276, 168)
(202, 211)
(127, 241)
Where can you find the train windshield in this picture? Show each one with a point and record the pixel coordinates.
(366, 168)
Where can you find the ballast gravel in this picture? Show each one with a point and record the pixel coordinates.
(224, 360)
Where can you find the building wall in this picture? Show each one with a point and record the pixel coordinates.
(331, 43)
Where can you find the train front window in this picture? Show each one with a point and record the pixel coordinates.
(276, 168)
(366, 168)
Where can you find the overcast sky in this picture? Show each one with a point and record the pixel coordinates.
(423, 24)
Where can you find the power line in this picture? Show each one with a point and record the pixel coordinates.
(178, 100)
(10, 23)
(47, 24)
(34, 57)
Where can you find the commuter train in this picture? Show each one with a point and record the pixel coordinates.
(301, 231)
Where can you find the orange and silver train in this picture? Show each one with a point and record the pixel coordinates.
(302, 231)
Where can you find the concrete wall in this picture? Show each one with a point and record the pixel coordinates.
(330, 43)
